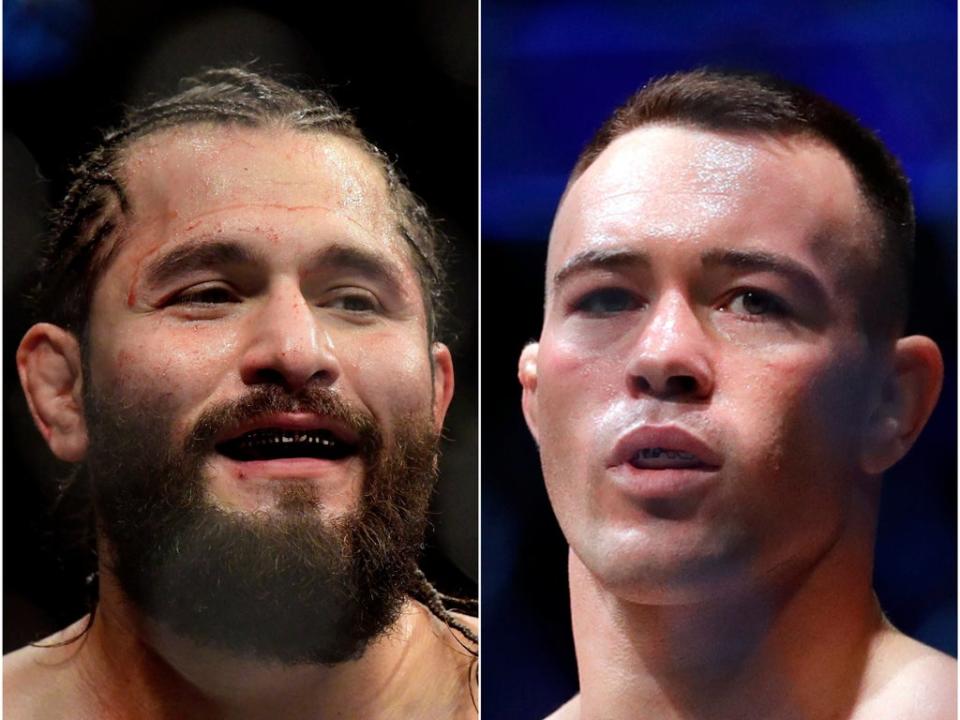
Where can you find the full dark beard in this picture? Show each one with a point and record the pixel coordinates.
(283, 584)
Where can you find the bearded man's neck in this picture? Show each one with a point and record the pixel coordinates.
(135, 668)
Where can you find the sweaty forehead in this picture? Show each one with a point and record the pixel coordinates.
(685, 183)
(185, 173)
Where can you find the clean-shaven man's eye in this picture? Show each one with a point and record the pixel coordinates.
(757, 304)
(606, 301)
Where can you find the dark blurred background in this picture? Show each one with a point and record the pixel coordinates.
(552, 72)
(407, 70)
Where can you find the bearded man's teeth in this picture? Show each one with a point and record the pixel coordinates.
(277, 438)
(303, 439)
(276, 443)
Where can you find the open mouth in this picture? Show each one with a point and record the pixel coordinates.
(283, 444)
(661, 457)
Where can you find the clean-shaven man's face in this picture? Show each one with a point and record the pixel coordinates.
(702, 384)
(262, 399)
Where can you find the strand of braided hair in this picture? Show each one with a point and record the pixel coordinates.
(424, 591)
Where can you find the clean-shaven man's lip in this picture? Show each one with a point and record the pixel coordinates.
(662, 460)
(641, 443)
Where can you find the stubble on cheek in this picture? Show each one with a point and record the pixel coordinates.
(135, 382)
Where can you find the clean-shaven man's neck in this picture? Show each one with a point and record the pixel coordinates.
(813, 646)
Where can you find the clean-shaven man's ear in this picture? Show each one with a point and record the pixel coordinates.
(908, 397)
(442, 383)
(527, 374)
(48, 361)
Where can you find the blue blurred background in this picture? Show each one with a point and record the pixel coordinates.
(408, 72)
(551, 73)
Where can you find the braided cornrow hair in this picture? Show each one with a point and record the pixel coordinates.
(76, 251)
(439, 605)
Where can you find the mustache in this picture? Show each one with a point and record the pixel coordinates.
(271, 399)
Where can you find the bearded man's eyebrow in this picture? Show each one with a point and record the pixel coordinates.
(197, 256)
(588, 260)
(340, 257)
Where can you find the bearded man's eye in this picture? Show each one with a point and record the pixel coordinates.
(355, 302)
(204, 295)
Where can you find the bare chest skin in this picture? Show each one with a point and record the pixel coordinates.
(809, 660)
(427, 675)
(895, 702)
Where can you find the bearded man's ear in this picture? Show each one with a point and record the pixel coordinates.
(907, 399)
(442, 383)
(49, 364)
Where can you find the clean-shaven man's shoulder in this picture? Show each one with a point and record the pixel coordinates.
(904, 680)
(907, 680)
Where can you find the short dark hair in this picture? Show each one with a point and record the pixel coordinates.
(735, 102)
(73, 257)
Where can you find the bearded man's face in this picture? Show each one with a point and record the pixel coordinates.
(261, 397)
(284, 584)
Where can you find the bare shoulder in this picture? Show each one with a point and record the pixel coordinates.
(454, 632)
(38, 679)
(443, 666)
(907, 679)
(570, 710)
(29, 682)
(466, 653)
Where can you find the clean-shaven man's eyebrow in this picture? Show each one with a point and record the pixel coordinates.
(197, 256)
(600, 260)
(763, 261)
